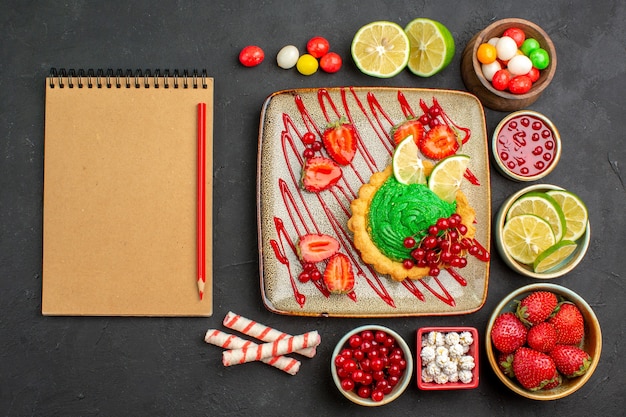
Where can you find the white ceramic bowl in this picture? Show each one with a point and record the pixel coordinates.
(564, 268)
(592, 341)
(401, 385)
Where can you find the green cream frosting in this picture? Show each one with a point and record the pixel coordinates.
(398, 211)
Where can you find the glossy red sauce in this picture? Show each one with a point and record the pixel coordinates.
(526, 146)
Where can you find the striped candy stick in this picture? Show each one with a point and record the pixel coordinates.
(268, 350)
(259, 331)
(229, 341)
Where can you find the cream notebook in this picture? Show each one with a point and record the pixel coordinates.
(120, 194)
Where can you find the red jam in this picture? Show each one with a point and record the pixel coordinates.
(526, 146)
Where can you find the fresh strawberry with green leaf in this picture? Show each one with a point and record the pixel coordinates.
(319, 174)
(570, 360)
(410, 127)
(536, 307)
(569, 324)
(340, 140)
(508, 333)
(542, 337)
(439, 142)
(533, 369)
(316, 247)
(338, 275)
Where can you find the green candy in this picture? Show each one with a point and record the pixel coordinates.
(529, 45)
(540, 58)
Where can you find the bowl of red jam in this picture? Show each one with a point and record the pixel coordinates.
(526, 146)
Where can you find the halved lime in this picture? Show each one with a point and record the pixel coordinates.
(445, 180)
(575, 211)
(380, 49)
(542, 205)
(525, 236)
(432, 46)
(554, 255)
(408, 168)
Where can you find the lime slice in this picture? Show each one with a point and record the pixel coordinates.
(525, 236)
(408, 168)
(445, 180)
(554, 255)
(380, 49)
(542, 205)
(432, 46)
(575, 211)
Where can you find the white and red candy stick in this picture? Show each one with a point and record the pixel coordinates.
(268, 350)
(229, 341)
(260, 331)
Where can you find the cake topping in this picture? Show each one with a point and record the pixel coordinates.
(398, 211)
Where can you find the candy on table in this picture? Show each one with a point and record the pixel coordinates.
(260, 331)
(229, 341)
(271, 349)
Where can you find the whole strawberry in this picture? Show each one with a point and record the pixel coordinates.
(542, 337)
(536, 307)
(533, 369)
(569, 324)
(570, 360)
(508, 333)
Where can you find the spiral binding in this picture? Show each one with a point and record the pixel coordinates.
(120, 78)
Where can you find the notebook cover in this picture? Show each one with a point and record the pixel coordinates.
(120, 198)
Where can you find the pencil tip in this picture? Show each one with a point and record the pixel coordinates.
(201, 295)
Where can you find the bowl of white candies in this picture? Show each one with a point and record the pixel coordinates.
(447, 358)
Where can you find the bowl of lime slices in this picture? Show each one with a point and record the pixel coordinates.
(542, 231)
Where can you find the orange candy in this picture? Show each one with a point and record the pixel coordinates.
(486, 53)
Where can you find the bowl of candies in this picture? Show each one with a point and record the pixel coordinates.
(509, 64)
(526, 146)
(542, 231)
(447, 358)
(372, 365)
(543, 341)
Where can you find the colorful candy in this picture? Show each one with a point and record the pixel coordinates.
(512, 62)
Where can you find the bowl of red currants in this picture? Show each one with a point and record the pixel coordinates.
(372, 365)
(509, 64)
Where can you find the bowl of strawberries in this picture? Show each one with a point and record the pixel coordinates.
(543, 341)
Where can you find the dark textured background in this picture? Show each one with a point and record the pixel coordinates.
(70, 366)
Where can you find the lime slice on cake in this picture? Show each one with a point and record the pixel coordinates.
(525, 236)
(541, 205)
(554, 255)
(432, 46)
(575, 211)
(408, 168)
(380, 49)
(445, 180)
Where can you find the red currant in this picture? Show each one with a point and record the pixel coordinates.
(308, 138)
(409, 242)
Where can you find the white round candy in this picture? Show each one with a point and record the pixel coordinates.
(493, 41)
(490, 69)
(287, 57)
(506, 48)
(519, 65)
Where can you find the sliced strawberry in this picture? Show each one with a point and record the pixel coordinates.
(439, 142)
(338, 276)
(315, 248)
(319, 174)
(408, 127)
(340, 141)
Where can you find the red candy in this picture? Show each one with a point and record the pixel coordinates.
(520, 84)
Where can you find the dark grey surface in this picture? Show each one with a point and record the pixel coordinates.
(68, 366)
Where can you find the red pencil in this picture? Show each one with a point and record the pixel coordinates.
(201, 214)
